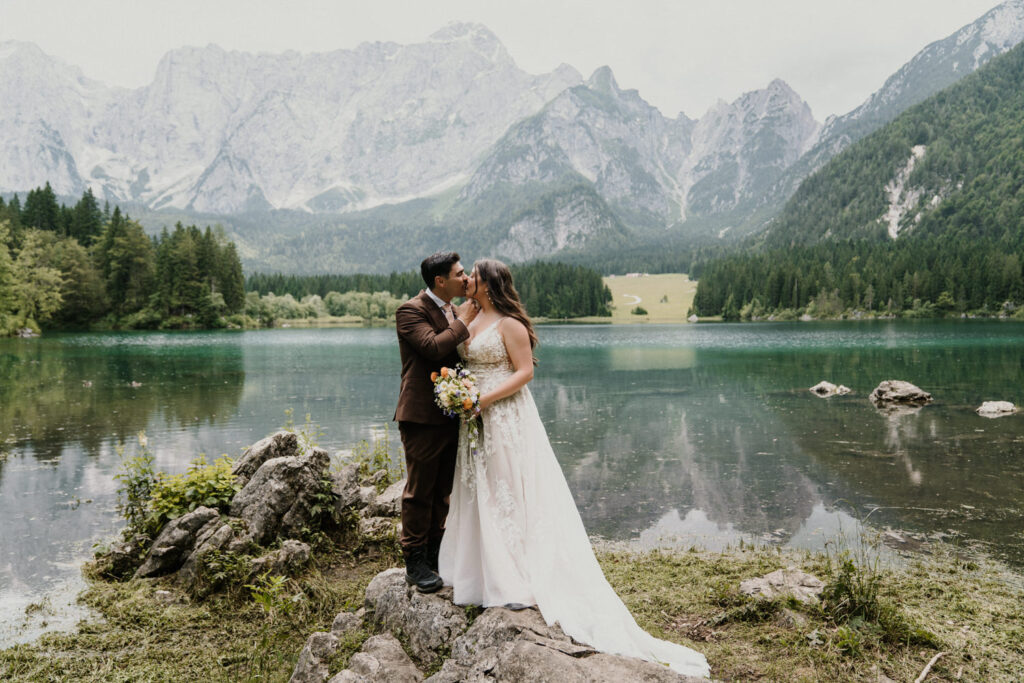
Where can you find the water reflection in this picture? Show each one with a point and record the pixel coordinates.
(667, 435)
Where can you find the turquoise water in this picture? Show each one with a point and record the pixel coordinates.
(668, 435)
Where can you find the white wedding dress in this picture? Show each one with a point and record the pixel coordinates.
(514, 535)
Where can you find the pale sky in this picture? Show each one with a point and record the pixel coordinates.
(682, 55)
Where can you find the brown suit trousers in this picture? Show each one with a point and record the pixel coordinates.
(426, 342)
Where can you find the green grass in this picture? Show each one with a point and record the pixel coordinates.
(224, 638)
(970, 609)
(666, 297)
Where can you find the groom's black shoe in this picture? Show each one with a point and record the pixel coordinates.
(433, 550)
(418, 574)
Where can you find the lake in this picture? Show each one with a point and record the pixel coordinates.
(668, 435)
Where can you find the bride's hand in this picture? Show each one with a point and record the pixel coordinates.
(467, 310)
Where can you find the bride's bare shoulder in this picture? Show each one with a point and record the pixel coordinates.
(511, 328)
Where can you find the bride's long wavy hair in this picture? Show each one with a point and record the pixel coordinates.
(503, 295)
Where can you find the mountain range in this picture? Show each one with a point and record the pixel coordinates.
(313, 161)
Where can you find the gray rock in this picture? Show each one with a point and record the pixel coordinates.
(345, 622)
(388, 503)
(503, 645)
(279, 445)
(214, 536)
(894, 391)
(996, 409)
(374, 479)
(311, 666)
(788, 618)
(349, 495)
(826, 389)
(381, 660)
(123, 559)
(175, 542)
(165, 597)
(378, 528)
(279, 498)
(288, 559)
(790, 582)
(430, 622)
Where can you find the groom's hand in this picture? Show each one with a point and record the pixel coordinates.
(466, 311)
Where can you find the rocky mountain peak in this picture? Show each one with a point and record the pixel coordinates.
(603, 81)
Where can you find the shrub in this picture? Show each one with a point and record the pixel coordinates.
(210, 485)
(136, 479)
(639, 310)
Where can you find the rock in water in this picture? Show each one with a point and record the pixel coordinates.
(893, 391)
(996, 409)
(826, 389)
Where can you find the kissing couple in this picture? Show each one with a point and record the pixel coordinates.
(512, 536)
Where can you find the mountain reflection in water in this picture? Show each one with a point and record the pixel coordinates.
(677, 435)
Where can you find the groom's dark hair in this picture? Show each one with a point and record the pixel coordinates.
(438, 263)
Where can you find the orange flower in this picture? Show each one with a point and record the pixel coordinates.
(467, 404)
(444, 372)
(433, 377)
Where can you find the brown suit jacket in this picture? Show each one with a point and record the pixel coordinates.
(426, 342)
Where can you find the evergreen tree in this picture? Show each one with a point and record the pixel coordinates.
(86, 219)
(41, 209)
(232, 284)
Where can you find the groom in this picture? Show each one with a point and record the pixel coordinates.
(429, 329)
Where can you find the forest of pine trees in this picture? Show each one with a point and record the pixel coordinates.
(960, 247)
(549, 290)
(82, 266)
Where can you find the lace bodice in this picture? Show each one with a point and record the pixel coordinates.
(486, 357)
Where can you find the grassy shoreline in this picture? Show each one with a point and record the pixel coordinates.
(970, 609)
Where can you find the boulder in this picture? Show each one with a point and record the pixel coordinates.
(501, 644)
(378, 528)
(374, 479)
(506, 645)
(279, 445)
(430, 622)
(381, 660)
(894, 391)
(176, 541)
(345, 622)
(123, 558)
(280, 497)
(790, 582)
(214, 536)
(693, 318)
(311, 666)
(826, 389)
(288, 559)
(349, 494)
(996, 409)
(388, 503)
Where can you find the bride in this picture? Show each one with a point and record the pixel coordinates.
(513, 535)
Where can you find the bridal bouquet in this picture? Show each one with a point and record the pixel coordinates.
(455, 393)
